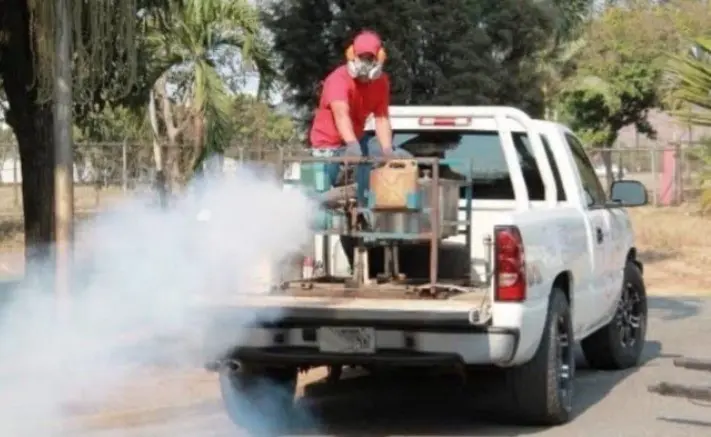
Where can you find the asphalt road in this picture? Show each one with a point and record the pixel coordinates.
(609, 404)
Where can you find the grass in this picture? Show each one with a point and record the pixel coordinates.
(675, 245)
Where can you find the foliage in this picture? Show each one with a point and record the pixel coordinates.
(559, 58)
(619, 74)
(691, 74)
(257, 124)
(701, 157)
(113, 124)
(468, 52)
(194, 37)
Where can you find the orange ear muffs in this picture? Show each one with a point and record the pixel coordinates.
(357, 69)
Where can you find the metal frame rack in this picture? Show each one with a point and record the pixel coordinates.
(352, 211)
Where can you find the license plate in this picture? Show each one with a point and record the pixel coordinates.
(346, 340)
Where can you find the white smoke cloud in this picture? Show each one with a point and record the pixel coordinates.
(140, 272)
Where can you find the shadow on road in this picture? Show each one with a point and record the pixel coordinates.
(434, 405)
(674, 308)
(692, 422)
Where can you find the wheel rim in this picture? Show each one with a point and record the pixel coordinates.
(565, 363)
(629, 316)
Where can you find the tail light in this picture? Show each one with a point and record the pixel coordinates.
(510, 265)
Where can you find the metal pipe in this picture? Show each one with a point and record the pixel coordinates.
(434, 220)
(468, 215)
(387, 260)
(488, 269)
(396, 260)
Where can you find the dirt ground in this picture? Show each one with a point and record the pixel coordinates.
(675, 245)
(87, 198)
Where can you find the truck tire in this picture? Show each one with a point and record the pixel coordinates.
(618, 345)
(542, 389)
(259, 400)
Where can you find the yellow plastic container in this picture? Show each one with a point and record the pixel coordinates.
(392, 184)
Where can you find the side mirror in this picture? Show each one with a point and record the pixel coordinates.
(628, 193)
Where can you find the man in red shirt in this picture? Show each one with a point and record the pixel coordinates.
(350, 94)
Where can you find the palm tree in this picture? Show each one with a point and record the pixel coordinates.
(196, 42)
(690, 76)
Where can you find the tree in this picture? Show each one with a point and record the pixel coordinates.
(620, 72)
(558, 59)
(258, 125)
(105, 41)
(618, 75)
(691, 74)
(446, 51)
(195, 39)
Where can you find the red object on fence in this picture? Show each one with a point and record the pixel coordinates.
(667, 184)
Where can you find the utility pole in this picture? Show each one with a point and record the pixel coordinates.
(63, 153)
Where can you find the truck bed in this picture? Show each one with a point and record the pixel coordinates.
(405, 289)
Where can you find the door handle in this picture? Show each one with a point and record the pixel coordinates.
(600, 235)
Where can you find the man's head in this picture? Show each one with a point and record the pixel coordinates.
(366, 56)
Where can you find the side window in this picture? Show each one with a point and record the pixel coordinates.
(530, 164)
(594, 192)
(554, 168)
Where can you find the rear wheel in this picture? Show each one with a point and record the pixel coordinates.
(619, 344)
(542, 389)
(259, 400)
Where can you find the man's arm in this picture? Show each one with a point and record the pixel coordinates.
(342, 117)
(335, 95)
(383, 130)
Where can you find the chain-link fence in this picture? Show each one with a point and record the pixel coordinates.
(672, 173)
(105, 172)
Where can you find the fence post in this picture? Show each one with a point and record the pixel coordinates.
(124, 167)
(655, 176)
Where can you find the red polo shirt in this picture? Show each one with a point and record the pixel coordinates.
(363, 98)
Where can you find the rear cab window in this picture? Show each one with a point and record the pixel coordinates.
(482, 154)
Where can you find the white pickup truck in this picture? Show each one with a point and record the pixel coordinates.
(553, 253)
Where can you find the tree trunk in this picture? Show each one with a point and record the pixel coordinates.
(33, 126)
(198, 145)
(607, 160)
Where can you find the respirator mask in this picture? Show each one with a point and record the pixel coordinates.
(368, 68)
